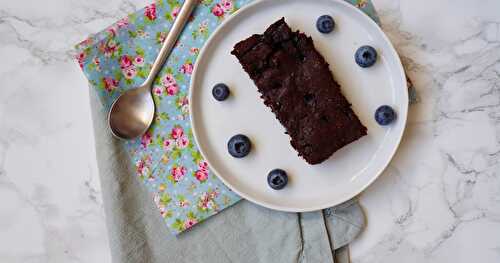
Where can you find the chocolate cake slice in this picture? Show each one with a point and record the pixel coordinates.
(296, 83)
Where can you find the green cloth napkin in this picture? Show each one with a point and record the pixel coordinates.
(166, 159)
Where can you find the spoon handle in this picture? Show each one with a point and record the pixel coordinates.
(171, 39)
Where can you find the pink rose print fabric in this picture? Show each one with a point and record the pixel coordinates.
(166, 158)
(150, 12)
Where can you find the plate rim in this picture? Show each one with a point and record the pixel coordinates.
(346, 197)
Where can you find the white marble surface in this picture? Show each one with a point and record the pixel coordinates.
(51, 207)
(439, 201)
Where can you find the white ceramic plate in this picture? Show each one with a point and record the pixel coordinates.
(350, 170)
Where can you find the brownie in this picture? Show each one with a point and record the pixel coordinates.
(295, 81)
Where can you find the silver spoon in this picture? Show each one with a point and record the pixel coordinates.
(133, 112)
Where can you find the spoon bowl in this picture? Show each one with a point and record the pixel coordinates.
(132, 113)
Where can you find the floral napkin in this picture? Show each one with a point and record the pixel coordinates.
(166, 158)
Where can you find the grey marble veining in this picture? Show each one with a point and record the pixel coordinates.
(51, 209)
(438, 201)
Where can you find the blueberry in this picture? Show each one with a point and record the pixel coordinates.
(277, 179)
(239, 146)
(385, 115)
(366, 56)
(220, 92)
(325, 24)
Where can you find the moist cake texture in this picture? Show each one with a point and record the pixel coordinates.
(295, 81)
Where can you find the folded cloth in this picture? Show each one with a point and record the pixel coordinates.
(166, 159)
(243, 233)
